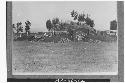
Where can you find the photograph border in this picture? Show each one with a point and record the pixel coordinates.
(113, 78)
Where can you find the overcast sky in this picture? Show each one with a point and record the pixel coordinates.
(38, 12)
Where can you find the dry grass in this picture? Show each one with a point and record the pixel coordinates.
(70, 57)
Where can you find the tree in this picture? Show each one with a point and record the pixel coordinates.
(81, 18)
(61, 26)
(49, 25)
(27, 27)
(74, 14)
(18, 28)
(92, 23)
(55, 23)
(89, 21)
(113, 25)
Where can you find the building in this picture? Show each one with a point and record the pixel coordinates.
(112, 32)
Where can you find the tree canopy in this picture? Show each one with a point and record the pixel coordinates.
(48, 25)
(81, 18)
(27, 26)
(18, 27)
(113, 25)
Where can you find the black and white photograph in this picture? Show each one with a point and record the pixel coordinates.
(64, 38)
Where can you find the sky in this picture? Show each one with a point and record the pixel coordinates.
(38, 12)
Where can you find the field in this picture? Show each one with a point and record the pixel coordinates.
(72, 57)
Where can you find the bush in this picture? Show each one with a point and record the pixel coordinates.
(25, 37)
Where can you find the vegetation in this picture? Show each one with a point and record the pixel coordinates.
(18, 27)
(27, 27)
(70, 31)
(81, 28)
(49, 25)
(82, 18)
(54, 25)
(113, 25)
(65, 55)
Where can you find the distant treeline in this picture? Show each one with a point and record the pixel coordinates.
(81, 28)
(18, 27)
